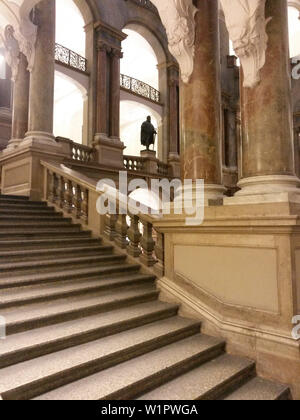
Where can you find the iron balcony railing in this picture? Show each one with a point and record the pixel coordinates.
(70, 58)
(139, 88)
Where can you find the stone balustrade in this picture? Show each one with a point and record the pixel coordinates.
(77, 196)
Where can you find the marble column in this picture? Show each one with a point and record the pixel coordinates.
(41, 98)
(114, 120)
(173, 158)
(266, 111)
(201, 105)
(20, 104)
(102, 91)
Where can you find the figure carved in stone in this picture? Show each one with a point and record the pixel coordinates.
(246, 23)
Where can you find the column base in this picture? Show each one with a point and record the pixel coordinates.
(267, 189)
(110, 150)
(40, 139)
(12, 145)
(213, 194)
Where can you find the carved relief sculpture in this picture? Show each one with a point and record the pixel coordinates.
(12, 50)
(178, 17)
(246, 23)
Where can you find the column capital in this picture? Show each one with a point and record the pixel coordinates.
(116, 53)
(102, 46)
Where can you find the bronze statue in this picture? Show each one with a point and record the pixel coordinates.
(148, 133)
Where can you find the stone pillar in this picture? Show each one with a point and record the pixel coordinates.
(102, 88)
(20, 104)
(267, 134)
(41, 95)
(107, 138)
(173, 159)
(114, 129)
(201, 105)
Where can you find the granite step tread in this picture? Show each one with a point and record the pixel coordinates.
(34, 222)
(24, 295)
(37, 315)
(51, 253)
(11, 200)
(258, 389)
(59, 243)
(35, 227)
(24, 206)
(125, 380)
(40, 278)
(14, 267)
(34, 343)
(31, 378)
(44, 233)
(47, 212)
(206, 381)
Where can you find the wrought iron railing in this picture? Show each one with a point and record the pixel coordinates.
(145, 3)
(139, 88)
(70, 58)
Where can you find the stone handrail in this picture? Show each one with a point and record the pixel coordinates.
(134, 163)
(77, 195)
(76, 151)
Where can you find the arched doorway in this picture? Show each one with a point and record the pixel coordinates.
(69, 97)
(142, 56)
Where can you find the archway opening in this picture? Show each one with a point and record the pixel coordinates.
(68, 96)
(132, 115)
(294, 31)
(140, 63)
(68, 108)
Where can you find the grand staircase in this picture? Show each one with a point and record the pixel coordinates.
(83, 324)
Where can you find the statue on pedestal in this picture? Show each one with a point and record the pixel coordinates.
(148, 133)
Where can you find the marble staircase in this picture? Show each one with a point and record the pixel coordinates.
(84, 324)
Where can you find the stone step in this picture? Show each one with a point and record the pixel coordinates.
(33, 220)
(57, 276)
(43, 233)
(32, 378)
(257, 389)
(20, 202)
(38, 342)
(25, 206)
(37, 315)
(49, 253)
(24, 227)
(126, 380)
(14, 269)
(62, 242)
(48, 292)
(47, 212)
(206, 382)
(15, 197)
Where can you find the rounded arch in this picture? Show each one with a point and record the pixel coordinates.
(142, 29)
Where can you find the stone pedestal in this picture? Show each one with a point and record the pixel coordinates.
(110, 151)
(201, 106)
(239, 273)
(151, 161)
(41, 97)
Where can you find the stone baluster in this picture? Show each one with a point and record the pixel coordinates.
(52, 187)
(77, 200)
(68, 197)
(134, 236)
(159, 250)
(121, 231)
(147, 244)
(60, 191)
(85, 205)
(110, 226)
